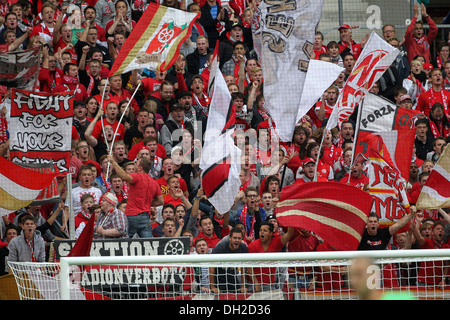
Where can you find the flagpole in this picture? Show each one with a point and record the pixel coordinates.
(101, 119)
(120, 121)
(318, 156)
(358, 119)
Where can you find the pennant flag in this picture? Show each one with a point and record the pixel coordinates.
(388, 189)
(337, 212)
(82, 247)
(436, 192)
(19, 69)
(394, 124)
(155, 41)
(40, 128)
(319, 77)
(376, 57)
(19, 187)
(283, 39)
(220, 158)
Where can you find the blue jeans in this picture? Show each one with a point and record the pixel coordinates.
(141, 225)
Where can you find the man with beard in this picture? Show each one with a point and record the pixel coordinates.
(229, 279)
(432, 272)
(162, 99)
(110, 119)
(375, 238)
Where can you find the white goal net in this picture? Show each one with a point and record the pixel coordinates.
(399, 274)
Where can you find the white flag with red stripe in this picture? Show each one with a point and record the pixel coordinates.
(220, 158)
(376, 57)
(436, 192)
(20, 186)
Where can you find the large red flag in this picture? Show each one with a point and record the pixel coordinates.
(337, 212)
(82, 247)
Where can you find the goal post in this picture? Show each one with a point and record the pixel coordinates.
(164, 277)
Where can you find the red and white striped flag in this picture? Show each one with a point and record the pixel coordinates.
(20, 186)
(376, 57)
(155, 41)
(220, 158)
(436, 192)
(337, 212)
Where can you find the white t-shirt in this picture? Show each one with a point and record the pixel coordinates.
(78, 192)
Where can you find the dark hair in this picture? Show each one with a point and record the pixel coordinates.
(267, 223)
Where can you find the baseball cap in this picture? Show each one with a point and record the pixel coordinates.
(112, 199)
(270, 217)
(182, 94)
(307, 160)
(405, 97)
(79, 103)
(176, 106)
(427, 66)
(237, 24)
(344, 26)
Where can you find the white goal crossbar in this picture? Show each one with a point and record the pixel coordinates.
(63, 286)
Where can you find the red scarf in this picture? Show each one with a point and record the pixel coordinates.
(3, 128)
(31, 246)
(243, 218)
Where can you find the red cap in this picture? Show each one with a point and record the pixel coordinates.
(307, 160)
(405, 97)
(427, 66)
(344, 26)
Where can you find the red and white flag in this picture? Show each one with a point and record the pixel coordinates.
(220, 158)
(387, 187)
(436, 192)
(395, 125)
(20, 69)
(19, 186)
(337, 212)
(376, 57)
(155, 41)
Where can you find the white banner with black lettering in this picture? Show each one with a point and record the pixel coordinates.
(40, 128)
